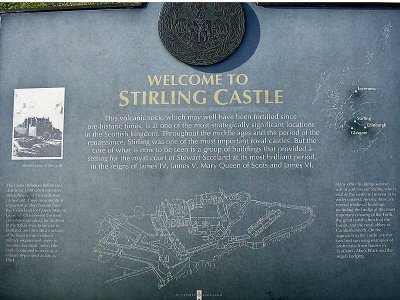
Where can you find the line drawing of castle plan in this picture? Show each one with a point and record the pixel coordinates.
(183, 235)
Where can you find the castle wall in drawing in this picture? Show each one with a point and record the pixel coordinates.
(184, 234)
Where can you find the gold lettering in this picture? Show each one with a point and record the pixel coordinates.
(135, 97)
(123, 96)
(154, 80)
(196, 100)
(163, 102)
(153, 97)
(266, 97)
(257, 92)
(185, 98)
(235, 97)
(216, 96)
(180, 79)
(246, 96)
(278, 95)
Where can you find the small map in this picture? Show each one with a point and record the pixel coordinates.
(351, 101)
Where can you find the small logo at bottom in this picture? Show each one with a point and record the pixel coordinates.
(199, 295)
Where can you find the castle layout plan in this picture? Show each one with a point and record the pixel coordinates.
(183, 235)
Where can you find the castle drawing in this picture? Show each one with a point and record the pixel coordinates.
(184, 235)
(37, 127)
(38, 124)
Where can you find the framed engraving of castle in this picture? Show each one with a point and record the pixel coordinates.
(200, 151)
(38, 123)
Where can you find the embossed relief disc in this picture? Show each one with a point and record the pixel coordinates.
(201, 33)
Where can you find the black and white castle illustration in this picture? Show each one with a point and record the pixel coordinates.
(185, 235)
(38, 124)
(37, 127)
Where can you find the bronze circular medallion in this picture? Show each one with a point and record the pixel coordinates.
(201, 33)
